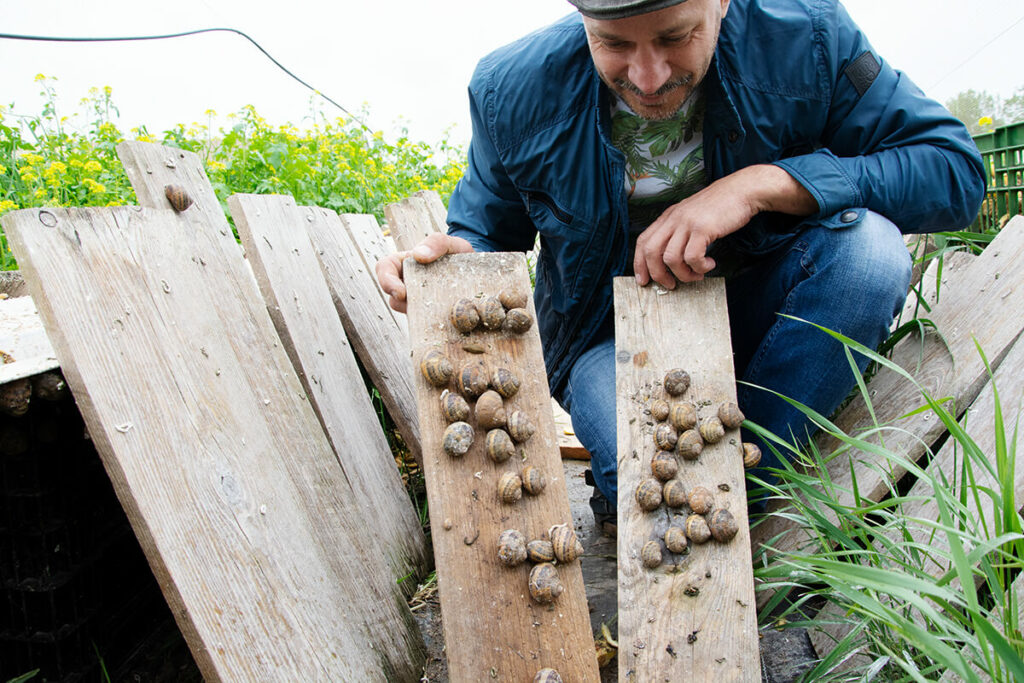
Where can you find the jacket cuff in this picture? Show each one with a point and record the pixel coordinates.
(823, 175)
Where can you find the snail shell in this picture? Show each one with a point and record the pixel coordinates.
(471, 380)
(453, 407)
(510, 488)
(664, 465)
(697, 529)
(665, 437)
(178, 197)
(730, 415)
(547, 676)
(677, 381)
(648, 494)
(490, 411)
(712, 429)
(517, 321)
(457, 439)
(511, 547)
(534, 480)
(683, 416)
(436, 368)
(540, 551)
(464, 316)
(675, 539)
(650, 554)
(512, 298)
(659, 409)
(492, 313)
(690, 444)
(544, 584)
(674, 494)
(751, 454)
(504, 382)
(567, 546)
(520, 427)
(701, 500)
(498, 445)
(723, 525)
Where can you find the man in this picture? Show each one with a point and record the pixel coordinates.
(760, 140)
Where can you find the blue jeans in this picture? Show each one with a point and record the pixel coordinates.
(851, 280)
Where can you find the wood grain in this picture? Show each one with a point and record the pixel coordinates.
(493, 629)
(250, 526)
(693, 618)
(409, 220)
(273, 231)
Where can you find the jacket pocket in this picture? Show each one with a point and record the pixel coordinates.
(565, 248)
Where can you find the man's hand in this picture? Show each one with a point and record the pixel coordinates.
(389, 268)
(673, 248)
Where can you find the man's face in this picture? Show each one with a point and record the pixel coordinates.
(654, 61)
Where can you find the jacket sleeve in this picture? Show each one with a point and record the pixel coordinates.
(886, 146)
(486, 208)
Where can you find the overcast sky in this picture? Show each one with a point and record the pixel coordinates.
(409, 61)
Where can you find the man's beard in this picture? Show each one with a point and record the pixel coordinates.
(654, 112)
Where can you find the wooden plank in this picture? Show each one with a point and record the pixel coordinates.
(568, 445)
(972, 311)
(410, 221)
(931, 286)
(493, 629)
(371, 242)
(250, 526)
(273, 231)
(27, 349)
(435, 208)
(692, 618)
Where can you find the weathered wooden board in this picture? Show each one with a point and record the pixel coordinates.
(410, 220)
(493, 628)
(932, 285)
(972, 311)
(250, 526)
(27, 349)
(273, 230)
(435, 208)
(693, 618)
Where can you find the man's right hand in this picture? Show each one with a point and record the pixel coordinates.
(389, 268)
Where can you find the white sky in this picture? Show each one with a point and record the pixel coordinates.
(410, 61)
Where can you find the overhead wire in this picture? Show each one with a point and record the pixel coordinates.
(978, 51)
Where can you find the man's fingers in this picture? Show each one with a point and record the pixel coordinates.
(389, 275)
(437, 245)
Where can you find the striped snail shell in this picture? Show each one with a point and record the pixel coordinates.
(464, 316)
(178, 197)
(674, 494)
(701, 500)
(505, 382)
(457, 439)
(659, 409)
(471, 380)
(490, 410)
(517, 321)
(512, 298)
(683, 416)
(665, 437)
(510, 487)
(690, 444)
(712, 429)
(677, 381)
(650, 554)
(751, 454)
(436, 368)
(567, 546)
(547, 676)
(723, 525)
(534, 480)
(544, 584)
(498, 445)
(540, 551)
(492, 313)
(664, 465)
(730, 415)
(511, 547)
(453, 407)
(675, 539)
(520, 427)
(648, 494)
(697, 529)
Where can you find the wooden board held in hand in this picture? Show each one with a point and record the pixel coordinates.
(493, 629)
(693, 617)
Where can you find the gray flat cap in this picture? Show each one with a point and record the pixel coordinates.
(618, 9)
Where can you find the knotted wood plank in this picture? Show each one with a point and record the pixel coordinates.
(252, 530)
(493, 629)
(693, 617)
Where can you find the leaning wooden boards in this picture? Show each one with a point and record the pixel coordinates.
(692, 618)
(493, 629)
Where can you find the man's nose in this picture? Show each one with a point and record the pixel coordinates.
(649, 70)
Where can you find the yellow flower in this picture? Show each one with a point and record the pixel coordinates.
(107, 90)
(29, 177)
(7, 205)
(75, 163)
(3, 169)
(40, 78)
(40, 193)
(985, 121)
(32, 159)
(93, 166)
(216, 166)
(93, 186)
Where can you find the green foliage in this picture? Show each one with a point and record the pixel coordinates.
(981, 111)
(55, 160)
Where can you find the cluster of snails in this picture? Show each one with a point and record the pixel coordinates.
(507, 312)
(561, 546)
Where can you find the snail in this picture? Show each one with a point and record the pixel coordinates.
(650, 554)
(436, 368)
(664, 465)
(659, 409)
(544, 584)
(567, 546)
(520, 428)
(648, 494)
(492, 313)
(677, 381)
(683, 416)
(665, 437)
(690, 445)
(178, 197)
(457, 439)
(751, 454)
(511, 547)
(490, 410)
(712, 429)
(723, 525)
(510, 487)
(675, 539)
(464, 316)
(498, 445)
(471, 380)
(547, 676)
(674, 494)
(453, 407)
(534, 480)
(730, 415)
(512, 298)
(697, 529)
(504, 382)
(517, 321)
(701, 500)
(540, 551)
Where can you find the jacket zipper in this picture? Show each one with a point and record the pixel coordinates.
(544, 200)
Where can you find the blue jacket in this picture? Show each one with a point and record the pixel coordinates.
(785, 86)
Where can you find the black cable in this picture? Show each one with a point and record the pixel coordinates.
(117, 39)
(977, 52)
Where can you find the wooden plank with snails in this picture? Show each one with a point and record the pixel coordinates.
(253, 531)
(494, 625)
(688, 613)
